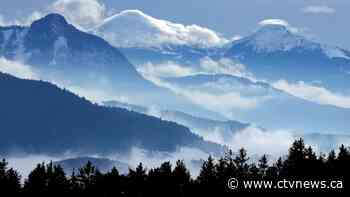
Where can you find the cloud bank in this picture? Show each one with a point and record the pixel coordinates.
(133, 28)
(258, 141)
(313, 93)
(21, 70)
(224, 102)
(166, 69)
(17, 69)
(85, 13)
(221, 95)
(206, 65)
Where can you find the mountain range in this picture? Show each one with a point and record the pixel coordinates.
(266, 106)
(205, 127)
(40, 118)
(216, 84)
(223, 132)
(275, 51)
(62, 54)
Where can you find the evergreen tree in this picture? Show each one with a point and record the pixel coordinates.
(263, 165)
(3, 168)
(74, 184)
(13, 180)
(254, 172)
(137, 181)
(87, 177)
(181, 174)
(9, 180)
(36, 184)
(293, 165)
(230, 162)
(57, 182)
(112, 183)
(241, 163)
(207, 175)
(343, 162)
(330, 164)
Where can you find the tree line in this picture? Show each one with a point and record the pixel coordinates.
(301, 163)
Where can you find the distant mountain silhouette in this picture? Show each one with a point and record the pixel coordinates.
(200, 125)
(38, 117)
(279, 110)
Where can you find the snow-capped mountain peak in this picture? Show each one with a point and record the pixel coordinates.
(133, 28)
(279, 36)
(276, 37)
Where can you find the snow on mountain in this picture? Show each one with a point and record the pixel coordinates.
(84, 63)
(133, 28)
(276, 38)
(52, 41)
(334, 52)
(275, 35)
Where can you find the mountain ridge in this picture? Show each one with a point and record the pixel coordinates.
(54, 121)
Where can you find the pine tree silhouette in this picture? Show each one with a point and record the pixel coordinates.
(9, 180)
(301, 163)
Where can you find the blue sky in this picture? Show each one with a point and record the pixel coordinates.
(324, 20)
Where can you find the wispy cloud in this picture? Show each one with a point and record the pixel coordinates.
(318, 9)
(224, 66)
(94, 94)
(313, 93)
(165, 69)
(206, 65)
(274, 22)
(220, 96)
(279, 22)
(17, 69)
(224, 102)
(23, 21)
(84, 13)
(258, 141)
(133, 28)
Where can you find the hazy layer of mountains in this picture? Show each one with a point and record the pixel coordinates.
(274, 108)
(61, 53)
(202, 126)
(273, 52)
(227, 129)
(38, 117)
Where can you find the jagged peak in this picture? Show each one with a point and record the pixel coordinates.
(53, 23)
(53, 18)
